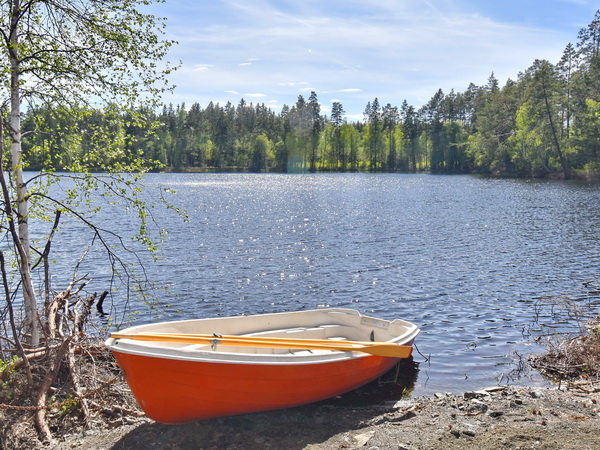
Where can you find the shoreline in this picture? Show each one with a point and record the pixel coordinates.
(491, 418)
(378, 415)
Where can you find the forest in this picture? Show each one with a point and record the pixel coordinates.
(546, 123)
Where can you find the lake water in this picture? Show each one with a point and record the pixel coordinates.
(481, 265)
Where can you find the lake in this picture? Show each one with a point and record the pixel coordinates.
(481, 265)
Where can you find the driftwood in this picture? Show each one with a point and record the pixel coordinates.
(77, 389)
(75, 379)
(78, 332)
(64, 334)
(53, 325)
(40, 416)
(28, 356)
(100, 303)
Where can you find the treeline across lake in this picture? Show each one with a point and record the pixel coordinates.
(546, 123)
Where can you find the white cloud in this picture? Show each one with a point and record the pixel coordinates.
(293, 84)
(202, 67)
(349, 90)
(390, 49)
(258, 95)
(354, 117)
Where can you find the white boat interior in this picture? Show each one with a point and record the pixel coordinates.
(335, 324)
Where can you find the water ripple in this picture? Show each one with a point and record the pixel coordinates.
(471, 260)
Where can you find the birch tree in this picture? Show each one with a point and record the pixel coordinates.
(71, 53)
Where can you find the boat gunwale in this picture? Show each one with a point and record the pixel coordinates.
(206, 355)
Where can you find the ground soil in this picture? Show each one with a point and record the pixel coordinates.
(494, 418)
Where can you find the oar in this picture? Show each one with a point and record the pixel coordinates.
(260, 338)
(374, 348)
(217, 338)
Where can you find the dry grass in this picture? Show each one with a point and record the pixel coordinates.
(575, 361)
(107, 398)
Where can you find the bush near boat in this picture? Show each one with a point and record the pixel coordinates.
(575, 360)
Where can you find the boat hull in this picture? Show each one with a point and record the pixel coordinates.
(174, 391)
(177, 383)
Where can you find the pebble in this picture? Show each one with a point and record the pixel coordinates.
(402, 404)
(477, 405)
(363, 438)
(476, 394)
(494, 389)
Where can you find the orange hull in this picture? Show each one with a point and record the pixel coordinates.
(176, 391)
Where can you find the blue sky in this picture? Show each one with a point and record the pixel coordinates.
(271, 51)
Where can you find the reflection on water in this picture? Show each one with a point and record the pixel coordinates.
(396, 384)
(470, 260)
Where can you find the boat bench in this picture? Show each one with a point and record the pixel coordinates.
(331, 332)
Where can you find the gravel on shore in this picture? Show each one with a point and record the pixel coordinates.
(510, 417)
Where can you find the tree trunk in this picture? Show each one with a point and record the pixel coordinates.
(563, 162)
(31, 319)
(543, 74)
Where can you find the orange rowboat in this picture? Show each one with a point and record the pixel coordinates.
(196, 369)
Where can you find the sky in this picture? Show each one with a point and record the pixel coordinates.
(349, 51)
